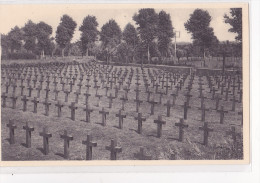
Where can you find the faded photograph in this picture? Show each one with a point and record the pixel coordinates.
(121, 84)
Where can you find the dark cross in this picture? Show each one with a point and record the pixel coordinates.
(67, 140)
(77, 93)
(98, 101)
(59, 106)
(11, 127)
(141, 155)
(89, 144)
(181, 126)
(114, 149)
(87, 95)
(22, 88)
(47, 89)
(38, 91)
(138, 102)
(121, 118)
(217, 98)
(56, 94)
(167, 88)
(30, 91)
(241, 113)
(168, 105)
(110, 100)
(160, 98)
(152, 102)
(222, 113)
(240, 92)
(88, 111)
(14, 98)
(104, 115)
(67, 92)
(28, 131)
(234, 135)
(213, 93)
(45, 135)
(203, 112)
(202, 98)
(4, 97)
(47, 106)
(234, 103)
(148, 95)
(124, 99)
(159, 122)
(73, 110)
(35, 102)
(206, 133)
(140, 122)
(185, 107)
(188, 96)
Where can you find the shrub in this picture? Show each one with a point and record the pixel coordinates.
(22, 56)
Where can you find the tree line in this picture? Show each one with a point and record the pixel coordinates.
(151, 38)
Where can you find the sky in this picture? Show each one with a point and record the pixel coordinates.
(13, 15)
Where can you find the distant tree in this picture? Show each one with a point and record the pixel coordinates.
(235, 21)
(198, 26)
(89, 33)
(65, 31)
(131, 39)
(147, 21)
(5, 45)
(110, 36)
(15, 37)
(179, 54)
(165, 33)
(30, 34)
(44, 32)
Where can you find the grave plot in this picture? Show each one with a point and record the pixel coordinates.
(90, 111)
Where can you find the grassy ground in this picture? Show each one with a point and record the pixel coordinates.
(160, 148)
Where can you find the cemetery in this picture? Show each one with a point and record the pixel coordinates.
(124, 112)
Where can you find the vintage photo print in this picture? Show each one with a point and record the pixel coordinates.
(124, 84)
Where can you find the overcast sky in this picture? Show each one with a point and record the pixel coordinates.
(19, 15)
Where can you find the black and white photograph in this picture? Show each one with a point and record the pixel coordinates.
(84, 83)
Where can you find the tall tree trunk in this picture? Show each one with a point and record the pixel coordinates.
(148, 54)
(87, 52)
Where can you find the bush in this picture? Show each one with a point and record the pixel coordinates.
(22, 56)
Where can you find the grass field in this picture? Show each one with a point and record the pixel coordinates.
(166, 147)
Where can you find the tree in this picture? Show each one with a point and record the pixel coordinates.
(235, 21)
(5, 45)
(30, 34)
(65, 31)
(198, 26)
(110, 36)
(15, 38)
(89, 32)
(147, 21)
(131, 39)
(165, 33)
(43, 37)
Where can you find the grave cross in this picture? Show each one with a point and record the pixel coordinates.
(234, 103)
(181, 126)
(14, 99)
(152, 102)
(35, 102)
(29, 131)
(168, 105)
(222, 113)
(11, 127)
(4, 97)
(67, 140)
(121, 118)
(45, 135)
(59, 105)
(140, 122)
(89, 144)
(47, 106)
(206, 133)
(203, 112)
(141, 155)
(159, 123)
(185, 107)
(88, 111)
(234, 135)
(104, 114)
(138, 102)
(73, 110)
(110, 97)
(114, 149)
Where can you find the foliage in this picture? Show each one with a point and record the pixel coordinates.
(235, 21)
(89, 32)
(65, 31)
(165, 33)
(15, 38)
(43, 36)
(30, 33)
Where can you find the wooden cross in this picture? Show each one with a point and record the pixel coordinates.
(28, 131)
(152, 102)
(47, 89)
(14, 98)
(67, 92)
(206, 133)
(141, 155)
(4, 97)
(45, 135)
(111, 100)
(121, 118)
(77, 93)
(104, 115)
(234, 103)
(213, 93)
(168, 105)
(234, 135)
(47, 106)
(35, 102)
(138, 102)
(218, 98)
(159, 123)
(114, 149)
(185, 107)
(87, 95)
(11, 127)
(73, 110)
(59, 105)
(67, 140)
(222, 113)
(30, 91)
(123, 99)
(203, 112)
(181, 126)
(89, 144)
(140, 122)
(98, 101)
(88, 111)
